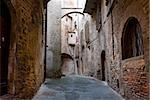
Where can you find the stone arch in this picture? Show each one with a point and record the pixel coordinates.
(72, 13)
(131, 41)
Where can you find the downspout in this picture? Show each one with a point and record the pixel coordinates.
(112, 4)
(45, 12)
(112, 34)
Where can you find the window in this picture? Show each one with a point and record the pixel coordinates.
(132, 44)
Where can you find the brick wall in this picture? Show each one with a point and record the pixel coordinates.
(134, 79)
(26, 71)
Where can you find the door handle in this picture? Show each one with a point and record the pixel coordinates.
(3, 39)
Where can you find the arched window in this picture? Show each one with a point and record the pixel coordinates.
(132, 44)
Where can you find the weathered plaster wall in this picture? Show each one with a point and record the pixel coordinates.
(89, 47)
(53, 60)
(66, 27)
(26, 71)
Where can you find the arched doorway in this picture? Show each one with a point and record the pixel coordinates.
(5, 22)
(67, 67)
(103, 65)
(132, 43)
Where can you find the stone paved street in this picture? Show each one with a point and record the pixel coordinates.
(76, 88)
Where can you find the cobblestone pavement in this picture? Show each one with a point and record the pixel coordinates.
(76, 88)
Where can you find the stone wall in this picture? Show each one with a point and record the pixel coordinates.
(89, 47)
(53, 52)
(112, 27)
(70, 22)
(113, 18)
(26, 69)
(121, 12)
(134, 79)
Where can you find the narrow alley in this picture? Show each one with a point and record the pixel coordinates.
(74, 50)
(76, 88)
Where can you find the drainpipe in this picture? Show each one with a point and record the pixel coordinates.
(45, 51)
(112, 35)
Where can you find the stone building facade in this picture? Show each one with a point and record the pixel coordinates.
(23, 70)
(114, 45)
(53, 39)
(67, 51)
(70, 21)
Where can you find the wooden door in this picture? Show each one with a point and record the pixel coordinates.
(4, 47)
